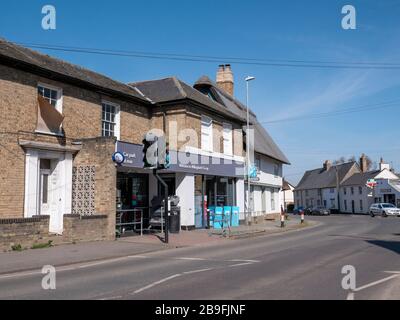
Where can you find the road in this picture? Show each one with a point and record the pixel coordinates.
(305, 264)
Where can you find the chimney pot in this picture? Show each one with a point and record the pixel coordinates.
(225, 78)
(327, 165)
(363, 163)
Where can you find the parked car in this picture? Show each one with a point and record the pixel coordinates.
(384, 210)
(308, 210)
(298, 210)
(320, 211)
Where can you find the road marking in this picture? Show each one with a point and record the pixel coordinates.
(377, 282)
(252, 261)
(110, 298)
(191, 259)
(198, 271)
(156, 283)
(350, 296)
(24, 274)
(94, 264)
(393, 272)
(240, 264)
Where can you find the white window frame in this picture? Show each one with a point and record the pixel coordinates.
(59, 103)
(117, 119)
(228, 138)
(207, 125)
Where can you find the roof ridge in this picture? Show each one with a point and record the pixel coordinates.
(179, 86)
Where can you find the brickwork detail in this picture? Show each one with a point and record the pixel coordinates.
(83, 190)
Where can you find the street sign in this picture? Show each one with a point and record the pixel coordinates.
(371, 183)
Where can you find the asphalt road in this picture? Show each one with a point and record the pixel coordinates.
(299, 265)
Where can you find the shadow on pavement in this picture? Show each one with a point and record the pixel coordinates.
(390, 245)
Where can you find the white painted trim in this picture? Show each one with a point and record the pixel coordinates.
(117, 129)
(60, 100)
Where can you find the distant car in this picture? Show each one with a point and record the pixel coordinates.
(308, 210)
(384, 210)
(320, 211)
(298, 210)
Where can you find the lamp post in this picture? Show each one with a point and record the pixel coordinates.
(248, 79)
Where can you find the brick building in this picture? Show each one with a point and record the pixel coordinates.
(60, 125)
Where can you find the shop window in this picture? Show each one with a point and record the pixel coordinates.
(361, 206)
(110, 120)
(132, 191)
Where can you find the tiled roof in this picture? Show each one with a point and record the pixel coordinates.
(21, 57)
(321, 178)
(263, 142)
(172, 89)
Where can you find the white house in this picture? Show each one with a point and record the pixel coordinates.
(356, 197)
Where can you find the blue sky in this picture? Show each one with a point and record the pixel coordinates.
(284, 29)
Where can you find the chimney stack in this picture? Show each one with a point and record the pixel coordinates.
(383, 165)
(225, 78)
(363, 163)
(327, 165)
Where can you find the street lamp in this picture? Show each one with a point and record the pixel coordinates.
(248, 79)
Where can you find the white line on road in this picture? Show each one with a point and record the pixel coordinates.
(350, 296)
(198, 271)
(252, 261)
(111, 298)
(156, 283)
(241, 264)
(191, 259)
(376, 283)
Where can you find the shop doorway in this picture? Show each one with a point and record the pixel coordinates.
(389, 198)
(170, 180)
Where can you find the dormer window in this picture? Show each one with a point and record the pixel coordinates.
(208, 93)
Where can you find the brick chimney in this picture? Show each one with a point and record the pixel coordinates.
(363, 163)
(327, 165)
(225, 78)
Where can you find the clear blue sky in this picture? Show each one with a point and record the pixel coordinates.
(281, 29)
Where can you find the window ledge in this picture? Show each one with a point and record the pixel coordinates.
(59, 134)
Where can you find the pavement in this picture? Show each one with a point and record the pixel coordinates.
(295, 265)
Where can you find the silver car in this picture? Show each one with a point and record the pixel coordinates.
(384, 210)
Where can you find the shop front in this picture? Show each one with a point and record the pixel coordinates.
(200, 183)
(388, 191)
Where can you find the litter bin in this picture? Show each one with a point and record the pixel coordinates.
(175, 220)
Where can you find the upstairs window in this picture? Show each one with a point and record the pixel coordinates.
(206, 133)
(360, 191)
(228, 139)
(276, 170)
(110, 120)
(52, 94)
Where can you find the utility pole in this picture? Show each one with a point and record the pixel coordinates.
(248, 79)
(166, 213)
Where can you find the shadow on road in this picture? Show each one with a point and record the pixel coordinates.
(390, 245)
